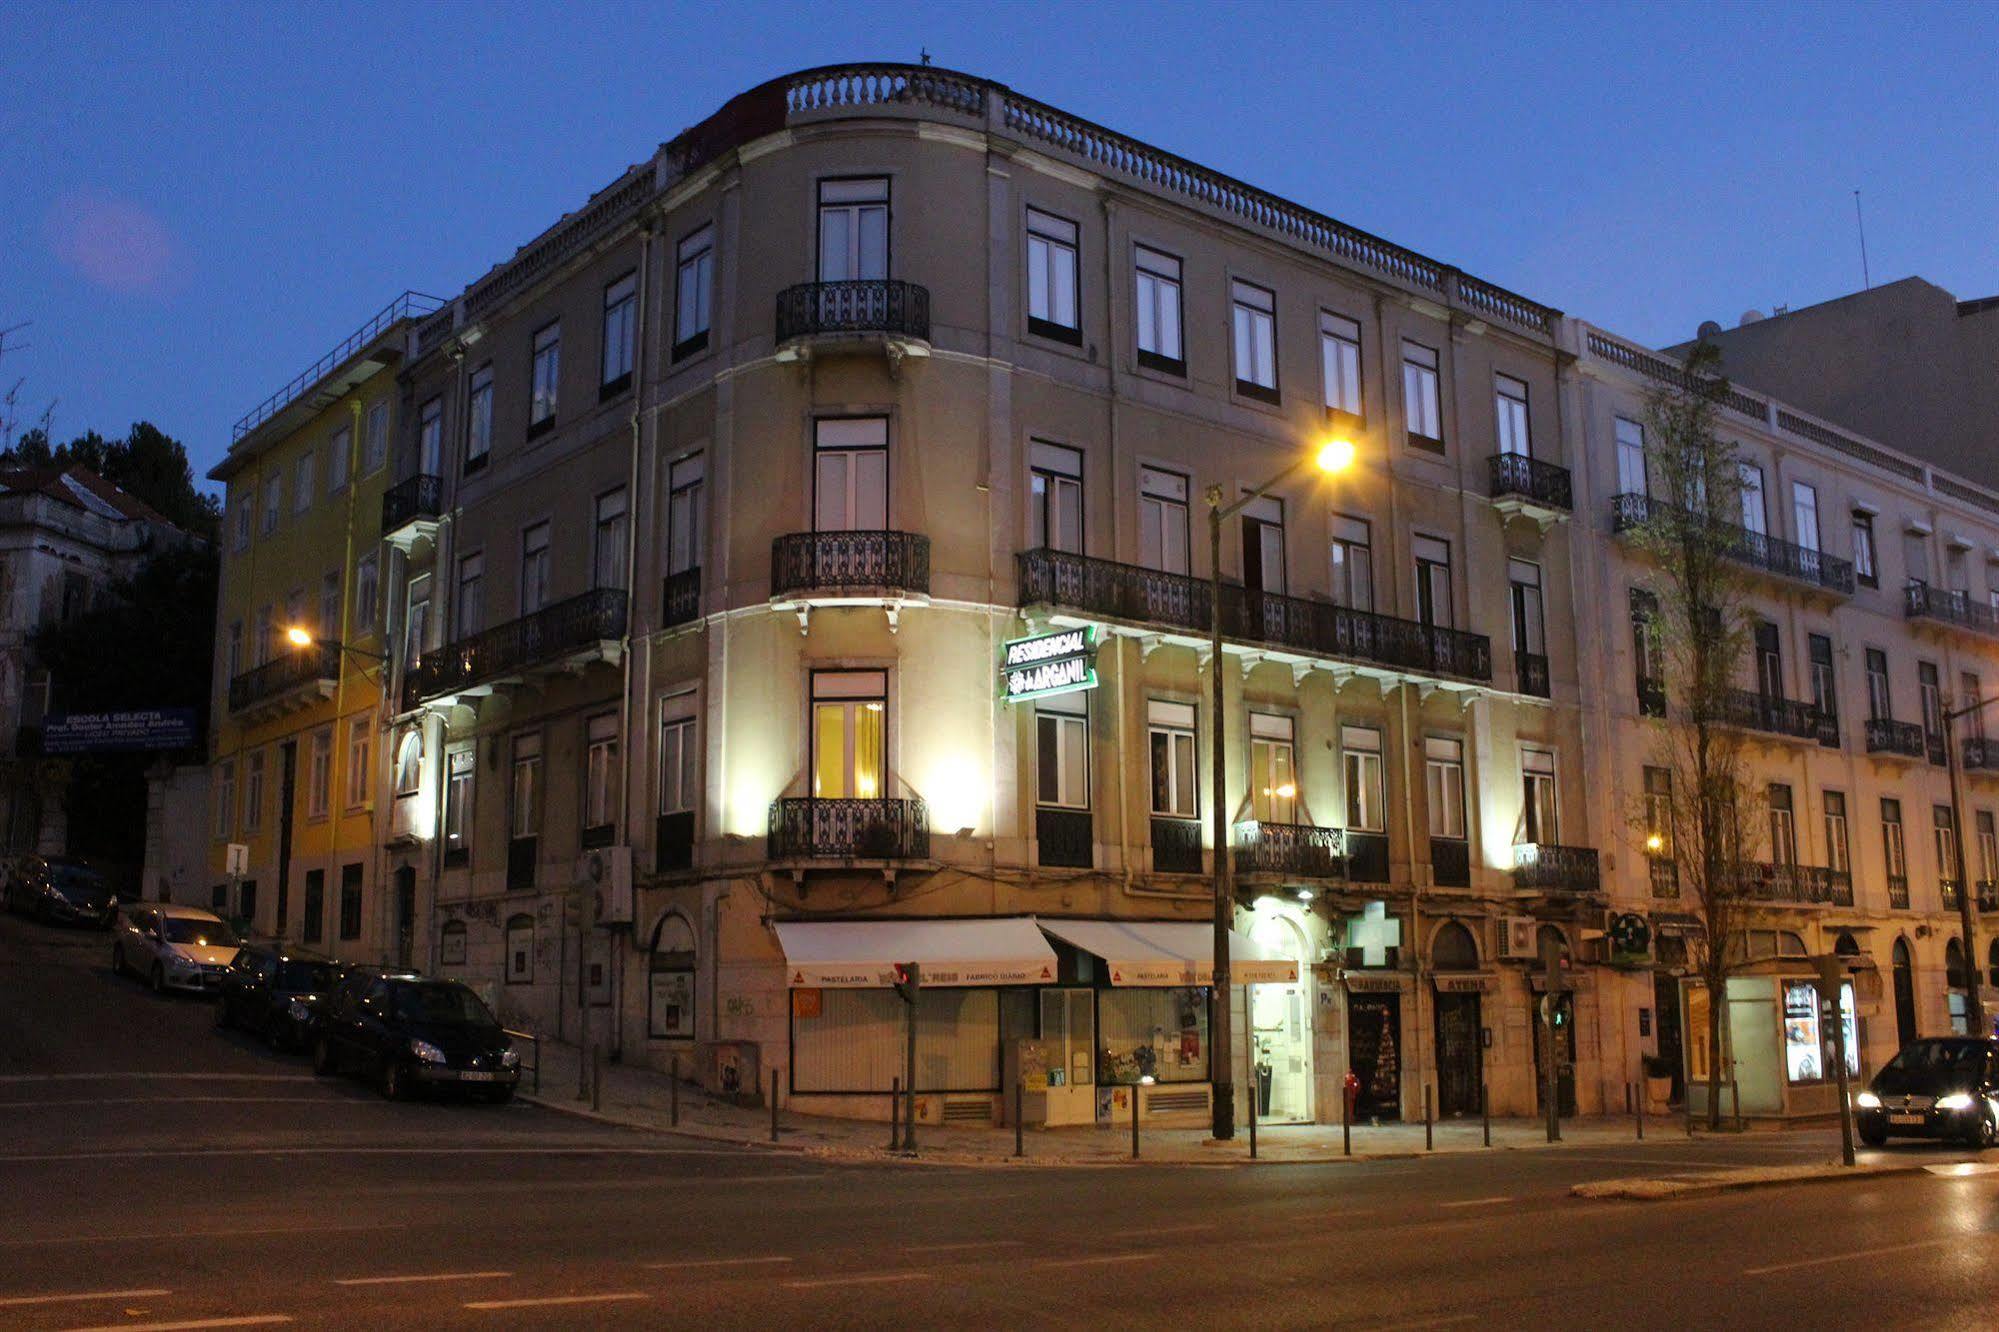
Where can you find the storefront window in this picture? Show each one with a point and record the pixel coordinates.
(1699, 1052)
(853, 1040)
(1157, 1033)
(1807, 1052)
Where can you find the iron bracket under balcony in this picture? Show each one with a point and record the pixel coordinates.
(811, 570)
(296, 678)
(1529, 488)
(410, 510)
(835, 318)
(561, 639)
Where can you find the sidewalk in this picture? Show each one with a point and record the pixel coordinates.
(640, 1098)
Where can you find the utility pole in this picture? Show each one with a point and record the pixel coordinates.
(1832, 986)
(1974, 1005)
(586, 917)
(908, 984)
(1220, 1063)
(1551, 1006)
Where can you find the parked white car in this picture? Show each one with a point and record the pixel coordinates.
(172, 947)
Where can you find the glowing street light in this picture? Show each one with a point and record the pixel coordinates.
(299, 636)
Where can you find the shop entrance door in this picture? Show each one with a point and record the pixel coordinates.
(1666, 1012)
(1458, 1054)
(1905, 994)
(1565, 1073)
(1281, 1041)
(1374, 1040)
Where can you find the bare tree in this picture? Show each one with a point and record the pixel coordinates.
(1698, 622)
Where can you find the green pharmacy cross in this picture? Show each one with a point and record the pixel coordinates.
(1374, 933)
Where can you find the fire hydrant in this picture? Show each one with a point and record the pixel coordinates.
(1352, 1085)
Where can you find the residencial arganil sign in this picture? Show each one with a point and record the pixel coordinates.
(1058, 663)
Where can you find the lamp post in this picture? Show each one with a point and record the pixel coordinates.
(1333, 457)
(1974, 1006)
(300, 637)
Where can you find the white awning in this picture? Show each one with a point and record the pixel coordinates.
(1170, 952)
(861, 954)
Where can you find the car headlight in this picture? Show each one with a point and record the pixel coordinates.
(510, 1059)
(1867, 1100)
(179, 963)
(427, 1052)
(300, 1010)
(1955, 1101)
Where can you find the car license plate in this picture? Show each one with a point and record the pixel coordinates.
(470, 1076)
(1905, 1119)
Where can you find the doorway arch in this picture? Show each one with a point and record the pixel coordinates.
(1904, 968)
(670, 988)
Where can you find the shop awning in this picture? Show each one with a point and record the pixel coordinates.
(861, 954)
(1169, 952)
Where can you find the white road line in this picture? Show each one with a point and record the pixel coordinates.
(1827, 1259)
(1478, 1202)
(221, 1152)
(1441, 1320)
(156, 1077)
(869, 1279)
(962, 1245)
(242, 1320)
(416, 1277)
(1963, 1168)
(187, 1100)
(717, 1262)
(1100, 1260)
(22, 1301)
(198, 1234)
(550, 1300)
(1193, 1228)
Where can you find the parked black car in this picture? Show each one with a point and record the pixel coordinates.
(276, 990)
(60, 888)
(1941, 1087)
(409, 1033)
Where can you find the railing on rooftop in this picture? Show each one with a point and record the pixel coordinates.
(1668, 371)
(409, 305)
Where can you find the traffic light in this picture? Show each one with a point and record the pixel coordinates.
(908, 977)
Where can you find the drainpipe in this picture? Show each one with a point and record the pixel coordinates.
(334, 797)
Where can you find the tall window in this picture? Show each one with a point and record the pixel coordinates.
(850, 735)
(534, 568)
(1769, 661)
(1754, 516)
(241, 507)
(416, 621)
(1929, 689)
(274, 498)
(235, 657)
(1339, 362)
(479, 418)
(1062, 752)
(1509, 397)
(1864, 567)
(1360, 768)
(430, 438)
(1255, 314)
(1273, 769)
(409, 763)
(1880, 702)
(679, 760)
(1783, 825)
(853, 230)
(312, 921)
(1988, 846)
(329, 604)
(1824, 697)
(367, 592)
(1162, 520)
(458, 768)
(1529, 626)
(302, 479)
(544, 378)
(683, 514)
(1658, 812)
(1805, 515)
(319, 774)
(1916, 557)
(1946, 842)
(1837, 857)
(338, 446)
(470, 612)
(850, 475)
(350, 901)
(1444, 783)
(1540, 816)
(621, 304)
(1422, 410)
(600, 779)
(1263, 561)
(1170, 735)
(375, 438)
(1896, 853)
(1353, 563)
(524, 791)
(1056, 502)
(225, 798)
(1158, 312)
(1051, 277)
(359, 732)
(1969, 691)
(608, 557)
(1630, 457)
(694, 292)
(1433, 582)
(264, 641)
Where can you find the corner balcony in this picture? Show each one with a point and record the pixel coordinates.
(813, 569)
(1791, 718)
(828, 318)
(1902, 740)
(1547, 867)
(1530, 487)
(1981, 757)
(410, 509)
(1284, 628)
(1289, 851)
(296, 678)
(1949, 610)
(806, 828)
(1802, 885)
(1813, 570)
(556, 640)
(680, 598)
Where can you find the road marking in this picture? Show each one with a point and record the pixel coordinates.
(187, 1100)
(1849, 1257)
(413, 1278)
(22, 1301)
(1477, 1202)
(1098, 1261)
(156, 1077)
(716, 1262)
(965, 1244)
(1441, 1320)
(1963, 1168)
(199, 1234)
(546, 1301)
(243, 1320)
(1345, 1215)
(1194, 1228)
(871, 1279)
(221, 1152)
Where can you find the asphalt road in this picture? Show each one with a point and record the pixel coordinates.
(155, 1173)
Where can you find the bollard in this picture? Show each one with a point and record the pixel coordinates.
(1252, 1121)
(1018, 1149)
(1346, 1127)
(673, 1099)
(1134, 1122)
(1641, 1112)
(1429, 1134)
(773, 1105)
(596, 1077)
(1735, 1099)
(1484, 1114)
(895, 1114)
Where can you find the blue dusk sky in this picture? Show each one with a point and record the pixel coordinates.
(197, 200)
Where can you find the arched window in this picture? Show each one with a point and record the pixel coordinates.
(1846, 946)
(1454, 948)
(451, 944)
(520, 950)
(1790, 944)
(670, 980)
(1903, 962)
(409, 762)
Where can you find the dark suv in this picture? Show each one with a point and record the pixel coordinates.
(275, 990)
(409, 1033)
(1940, 1087)
(59, 888)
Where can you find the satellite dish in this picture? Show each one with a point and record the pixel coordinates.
(1749, 317)
(1709, 328)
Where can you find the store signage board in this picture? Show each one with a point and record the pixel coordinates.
(1059, 663)
(118, 732)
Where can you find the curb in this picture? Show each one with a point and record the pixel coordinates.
(1669, 1190)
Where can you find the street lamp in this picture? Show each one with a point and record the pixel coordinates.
(301, 637)
(1331, 457)
(1974, 1006)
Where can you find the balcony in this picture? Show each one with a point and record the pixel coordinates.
(1753, 550)
(1651, 697)
(680, 598)
(1804, 885)
(1289, 850)
(1176, 846)
(1896, 739)
(1898, 891)
(1792, 718)
(1981, 757)
(1545, 867)
(410, 509)
(808, 828)
(673, 841)
(820, 317)
(295, 678)
(1953, 610)
(1450, 862)
(556, 639)
(1524, 485)
(1367, 857)
(1319, 629)
(1530, 674)
(1947, 893)
(1987, 895)
(1064, 838)
(889, 569)
(1664, 875)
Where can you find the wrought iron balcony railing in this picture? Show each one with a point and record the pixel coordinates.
(411, 500)
(673, 841)
(1515, 475)
(1290, 849)
(1544, 865)
(1947, 891)
(1651, 696)
(1981, 755)
(1450, 862)
(1813, 885)
(1664, 875)
(850, 562)
(1176, 846)
(882, 305)
(1753, 550)
(1898, 891)
(1987, 895)
(1922, 602)
(1063, 837)
(1888, 736)
(551, 634)
(1127, 592)
(680, 598)
(1754, 711)
(1367, 857)
(293, 668)
(809, 828)
(1530, 673)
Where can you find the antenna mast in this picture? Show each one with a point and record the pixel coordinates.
(1866, 280)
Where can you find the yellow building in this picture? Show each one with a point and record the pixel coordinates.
(299, 628)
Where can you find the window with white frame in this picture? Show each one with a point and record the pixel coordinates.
(1056, 497)
(1631, 457)
(1945, 824)
(338, 446)
(1170, 736)
(683, 513)
(1755, 517)
(294, 610)
(600, 779)
(1659, 812)
(1051, 277)
(1062, 751)
(1433, 582)
(479, 418)
(850, 474)
(253, 791)
(375, 438)
(1422, 409)
(693, 291)
(1530, 634)
(430, 437)
(853, 230)
(545, 376)
(1444, 785)
(360, 731)
(239, 509)
(274, 498)
(329, 604)
(458, 769)
(265, 635)
(225, 798)
(1339, 362)
(1894, 850)
(1353, 563)
(470, 612)
(1158, 311)
(1540, 816)
(1783, 824)
(1273, 768)
(679, 759)
(850, 735)
(302, 478)
(1863, 549)
(1361, 771)
(416, 621)
(524, 789)
(1263, 562)
(1988, 846)
(409, 763)
(621, 303)
(235, 650)
(608, 557)
(1162, 520)
(319, 773)
(534, 568)
(1837, 857)
(1805, 515)
(1509, 397)
(367, 591)
(1254, 312)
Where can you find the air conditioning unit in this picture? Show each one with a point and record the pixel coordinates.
(610, 869)
(1517, 938)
